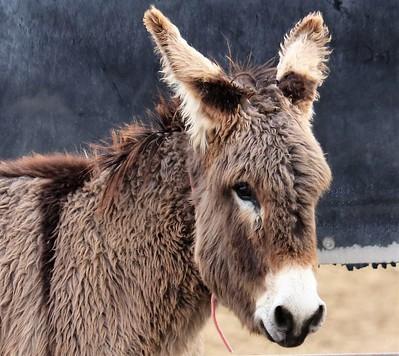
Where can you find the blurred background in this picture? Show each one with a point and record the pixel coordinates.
(72, 69)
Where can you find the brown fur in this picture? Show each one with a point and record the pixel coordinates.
(128, 143)
(135, 278)
(220, 95)
(297, 87)
(64, 174)
(56, 166)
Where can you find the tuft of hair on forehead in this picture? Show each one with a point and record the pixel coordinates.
(251, 76)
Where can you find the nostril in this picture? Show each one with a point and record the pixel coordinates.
(317, 317)
(283, 318)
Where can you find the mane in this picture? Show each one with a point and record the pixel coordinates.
(120, 155)
(54, 166)
(117, 157)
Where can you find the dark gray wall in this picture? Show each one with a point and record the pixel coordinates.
(72, 69)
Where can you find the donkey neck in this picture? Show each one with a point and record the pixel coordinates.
(154, 217)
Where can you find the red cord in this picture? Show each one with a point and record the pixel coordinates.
(213, 299)
(219, 330)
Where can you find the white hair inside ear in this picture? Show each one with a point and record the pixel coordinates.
(304, 50)
(302, 67)
(197, 123)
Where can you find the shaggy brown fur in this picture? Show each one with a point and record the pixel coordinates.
(115, 255)
(127, 144)
(64, 174)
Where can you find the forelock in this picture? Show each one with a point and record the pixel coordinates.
(251, 76)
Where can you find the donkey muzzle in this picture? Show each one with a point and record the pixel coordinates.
(288, 335)
(290, 308)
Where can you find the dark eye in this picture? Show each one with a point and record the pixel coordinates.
(245, 192)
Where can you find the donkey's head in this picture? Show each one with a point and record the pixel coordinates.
(257, 172)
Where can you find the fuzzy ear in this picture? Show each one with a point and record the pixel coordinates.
(303, 62)
(206, 92)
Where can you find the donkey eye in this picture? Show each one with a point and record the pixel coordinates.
(243, 190)
(245, 193)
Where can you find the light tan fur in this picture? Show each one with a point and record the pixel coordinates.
(182, 65)
(304, 51)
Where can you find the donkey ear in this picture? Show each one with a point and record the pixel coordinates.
(206, 92)
(303, 62)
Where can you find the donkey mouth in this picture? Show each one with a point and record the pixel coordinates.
(287, 342)
(291, 343)
(264, 331)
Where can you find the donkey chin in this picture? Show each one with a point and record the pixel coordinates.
(291, 308)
